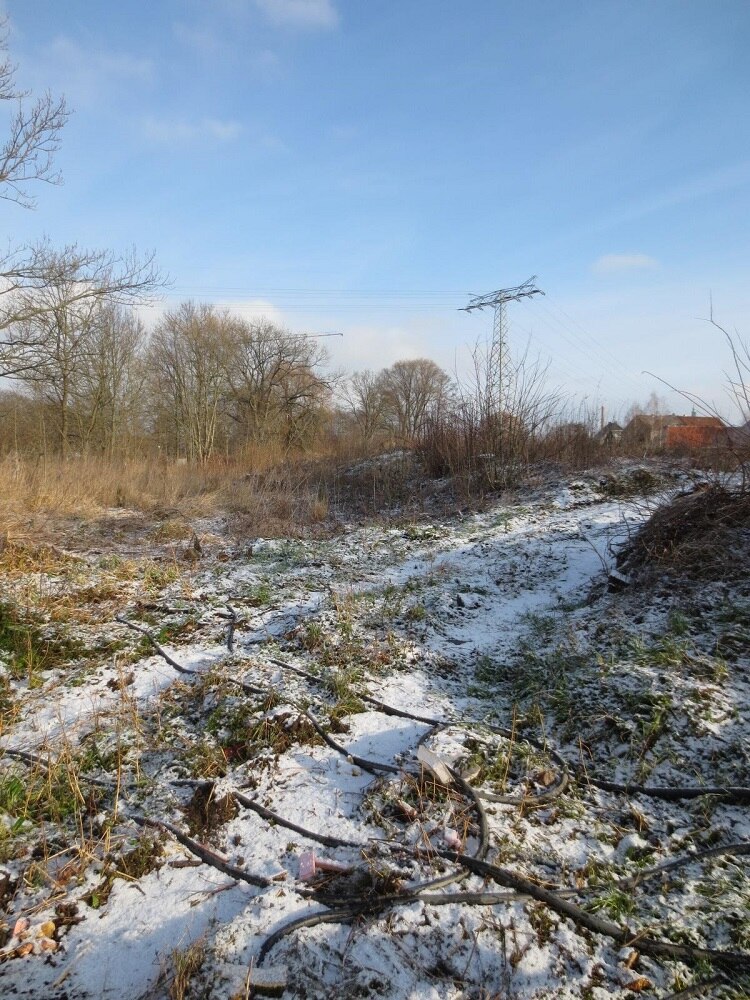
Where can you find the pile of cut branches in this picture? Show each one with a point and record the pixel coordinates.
(699, 534)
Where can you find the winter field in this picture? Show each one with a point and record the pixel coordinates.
(433, 758)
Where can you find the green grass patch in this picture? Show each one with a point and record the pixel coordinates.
(29, 647)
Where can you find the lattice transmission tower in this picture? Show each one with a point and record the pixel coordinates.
(497, 361)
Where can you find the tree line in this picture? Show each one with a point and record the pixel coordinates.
(88, 379)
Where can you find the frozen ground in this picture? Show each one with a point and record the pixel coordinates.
(134, 864)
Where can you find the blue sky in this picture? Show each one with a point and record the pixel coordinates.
(364, 165)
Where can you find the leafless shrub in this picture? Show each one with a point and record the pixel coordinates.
(490, 437)
(570, 438)
(733, 451)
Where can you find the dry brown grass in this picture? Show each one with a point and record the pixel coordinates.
(185, 964)
(18, 558)
(140, 502)
(266, 498)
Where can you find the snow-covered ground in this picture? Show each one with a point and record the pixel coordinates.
(498, 626)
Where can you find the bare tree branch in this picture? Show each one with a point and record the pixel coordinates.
(34, 136)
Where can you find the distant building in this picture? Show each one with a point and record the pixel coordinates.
(609, 434)
(673, 432)
(739, 437)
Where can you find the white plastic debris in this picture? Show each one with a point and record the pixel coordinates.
(435, 764)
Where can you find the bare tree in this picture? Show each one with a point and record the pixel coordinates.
(34, 135)
(51, 281)
(106, 387)
(653, 407)
(55, 348)
(363, 395)
(278, 389)
(39, 279)
(188, 358)
(413, 391)
(51, 343)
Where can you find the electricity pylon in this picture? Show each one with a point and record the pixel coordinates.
(497, 360)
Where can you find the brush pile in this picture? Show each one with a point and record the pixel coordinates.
(702, 534)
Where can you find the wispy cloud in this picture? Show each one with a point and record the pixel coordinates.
(201, 40)
(715, 182)
(265, 64)
(724, 178)
(181, 130)
(211, 46)
(703, 186)
(90, 75)
(91, 63)
(251, 310)
(613, 263)
(300, 13)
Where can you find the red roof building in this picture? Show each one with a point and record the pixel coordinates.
(675, 432)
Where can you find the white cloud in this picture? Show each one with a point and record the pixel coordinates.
(88, 75)
(300, 13)
(265, 63)
(202, 41)
(180, 130)
(222, 130)
(379, 345)
(726, 178)
(254, 309)
(248, 309)
(613, 263)
(210, 46)
(87, 64)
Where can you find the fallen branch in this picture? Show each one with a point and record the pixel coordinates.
(739, 849)
(320, 838)
(205, 854)
(157, 646)
(231, 626)
(737, 794)
(371, 766)
(592, 922)
(248, 688)
(697, 988)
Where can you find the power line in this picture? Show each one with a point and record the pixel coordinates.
(256, 304)
(264, 289)
(613, 367)
(590, 338)
(300, 299)
(561, 362)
